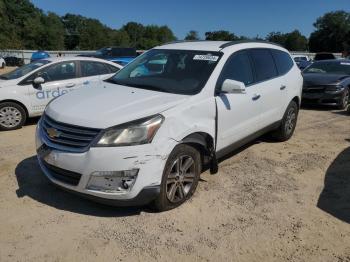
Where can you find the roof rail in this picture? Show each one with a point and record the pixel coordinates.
(247, 41)
(182, 41)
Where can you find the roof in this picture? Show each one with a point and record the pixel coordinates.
(204, 45)
(80, 58)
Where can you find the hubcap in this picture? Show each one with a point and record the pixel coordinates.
(346, 99)
(290, 121)
(180, 178)
(10, 117)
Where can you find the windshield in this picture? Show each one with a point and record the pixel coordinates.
(23, 70)
(172, 71)
(339, 68)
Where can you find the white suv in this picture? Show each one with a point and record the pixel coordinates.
(144, 135)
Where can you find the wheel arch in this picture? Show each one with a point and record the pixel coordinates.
(16, 102)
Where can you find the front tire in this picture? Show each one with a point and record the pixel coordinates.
(12, 116)
(288, 124)
(345, 100)
(180, 177)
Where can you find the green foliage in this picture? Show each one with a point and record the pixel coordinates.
(332, 32)
(25, 26)
(192, 35)
(293, 41)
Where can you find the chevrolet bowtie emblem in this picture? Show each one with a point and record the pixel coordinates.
(53, 133)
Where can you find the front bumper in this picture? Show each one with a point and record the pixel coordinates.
(328, 99)
(149, 159)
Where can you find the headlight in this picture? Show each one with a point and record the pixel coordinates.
(133, 133)
(331, 89)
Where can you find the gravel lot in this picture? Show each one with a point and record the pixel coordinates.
(269, 202)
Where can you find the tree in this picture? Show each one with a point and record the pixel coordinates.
(221, 35)
(192, 35)
(293, 41)
(332, 32)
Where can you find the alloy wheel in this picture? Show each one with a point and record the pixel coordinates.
(180, 178)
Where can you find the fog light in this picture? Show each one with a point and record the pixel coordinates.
(112, 181)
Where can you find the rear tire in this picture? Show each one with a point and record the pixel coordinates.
(12, 116)
(180, 178)
(288, 124)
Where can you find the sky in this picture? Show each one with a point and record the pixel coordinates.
(249, 18)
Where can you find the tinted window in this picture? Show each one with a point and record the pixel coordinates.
(112, 69)
(26, 69)
(263, 63)
(89, 68)
(338, 67)
(56, 72)
(238, 67)
(283, 61)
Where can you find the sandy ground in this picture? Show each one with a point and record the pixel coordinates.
(269, 202)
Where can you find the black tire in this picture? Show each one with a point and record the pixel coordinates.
(288, 124)
(181, 153)
(345, 100)
(3, 65)
(15, 110)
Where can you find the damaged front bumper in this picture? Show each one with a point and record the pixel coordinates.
(125, 176)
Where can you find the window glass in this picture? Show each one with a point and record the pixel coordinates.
(263, 63)
(173, 71)
(112, 69)
(56, 72)
(23, 70)
(283, 61)
(238, 67)
(89, 68)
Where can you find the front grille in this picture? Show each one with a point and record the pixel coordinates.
(67, 137)
(63, 175)
(314, 89)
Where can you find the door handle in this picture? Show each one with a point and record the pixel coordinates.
(282, 87)
(256, 97)
(70, 85)
(86, 83)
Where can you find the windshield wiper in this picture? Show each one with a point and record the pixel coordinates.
(148, 87)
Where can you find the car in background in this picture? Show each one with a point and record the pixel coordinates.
(118, 55)
(27, 90)
(144, 135)
(302, 61)
(327, 82)
(324, 56)
(2, 62)
(13, 61)
(38, 55)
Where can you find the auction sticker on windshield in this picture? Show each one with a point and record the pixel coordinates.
(206, 58)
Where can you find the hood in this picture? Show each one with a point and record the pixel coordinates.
(109, 105)
(314, 79)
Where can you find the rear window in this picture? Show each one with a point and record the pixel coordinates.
(283, 61)
(264, 64)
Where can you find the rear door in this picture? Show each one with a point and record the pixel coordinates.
(238, 114)
(270, 84)
(92, 72)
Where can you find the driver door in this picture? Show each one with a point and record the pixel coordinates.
(60, 78)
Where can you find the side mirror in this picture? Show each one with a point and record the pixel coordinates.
(37, 82)
(233, 87)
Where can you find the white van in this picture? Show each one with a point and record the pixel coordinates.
(26, 91)
(144, 135)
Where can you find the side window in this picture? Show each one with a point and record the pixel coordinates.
(89, 68)
(56, 72)
(238, 67)
(283, 61)
(264, 64)
(112, 69)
